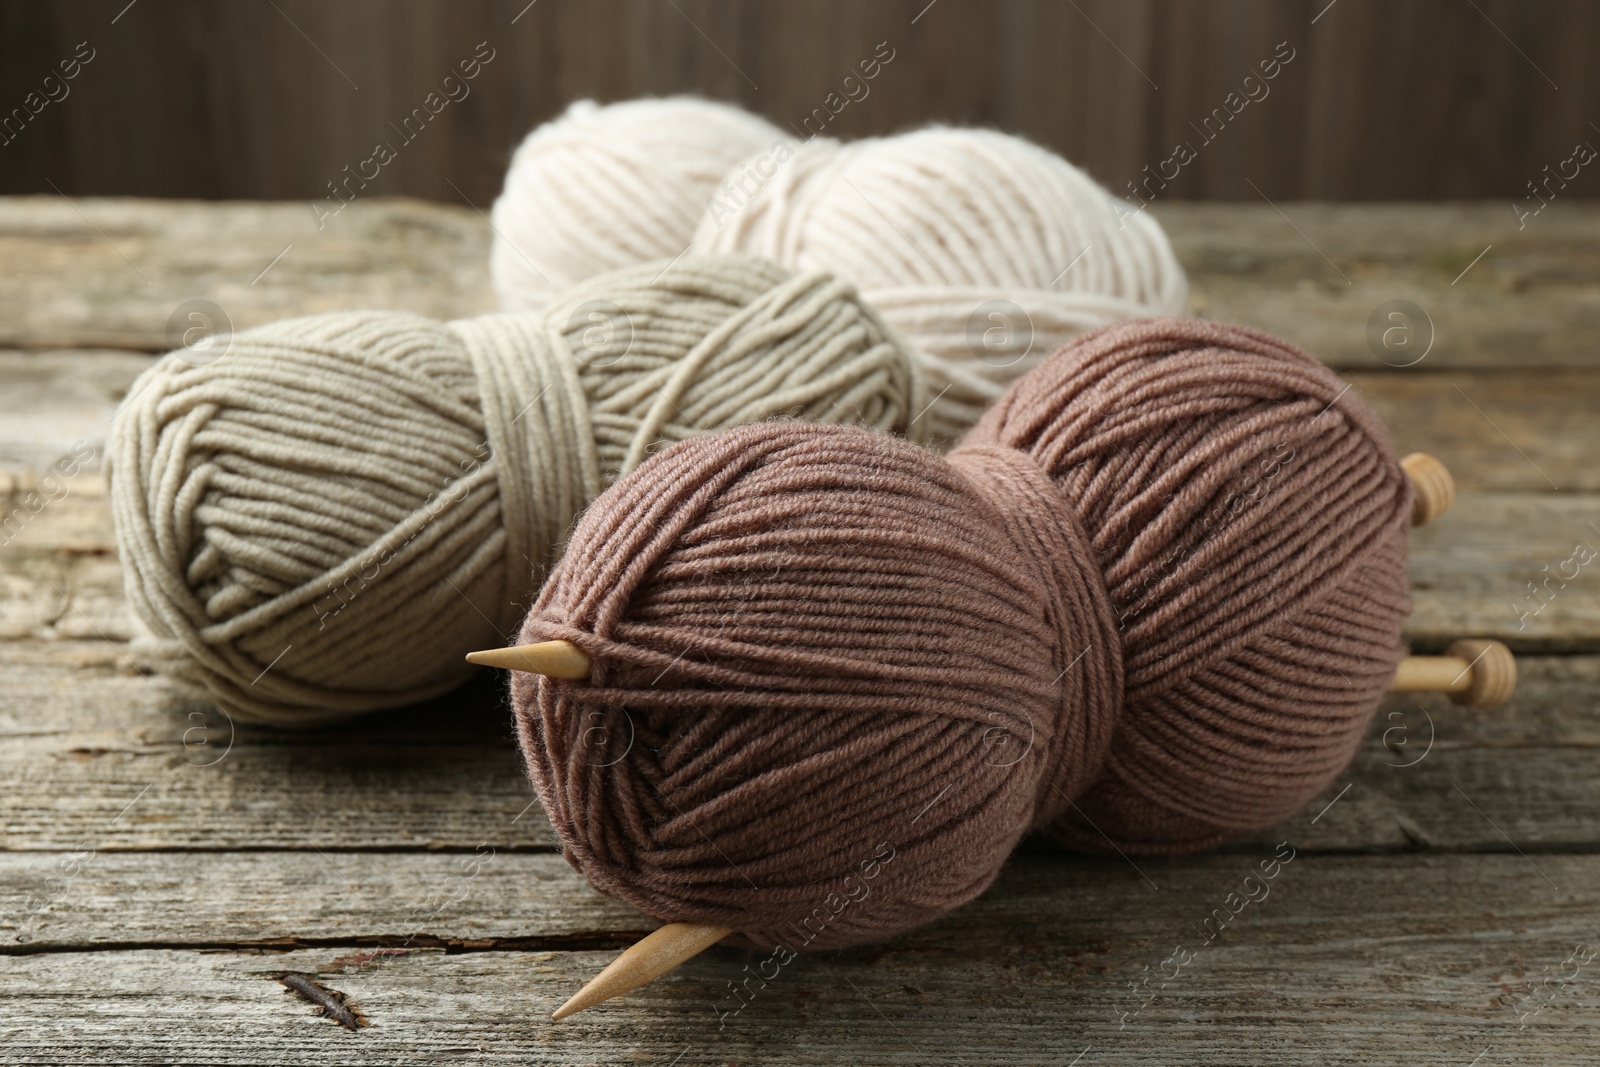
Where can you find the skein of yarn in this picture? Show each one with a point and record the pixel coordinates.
(986, 251)
(1150, 602)
(601, 188)
(324, 520)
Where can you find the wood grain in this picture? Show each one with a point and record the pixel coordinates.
(140, 765)
(1495, 429)
(1527, 303)
(1471, 573)
(1434, 99)
(133, 264)
(161, 868)
(1315, 274)
(93, 899)
(1341, 962)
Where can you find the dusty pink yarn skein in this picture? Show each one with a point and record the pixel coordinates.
(1150, 602)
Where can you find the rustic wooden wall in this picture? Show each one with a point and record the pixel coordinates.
(1425, 99)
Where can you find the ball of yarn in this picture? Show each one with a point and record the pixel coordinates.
(986, 251)
(327, 518)
(601, 188)
(1150, 602)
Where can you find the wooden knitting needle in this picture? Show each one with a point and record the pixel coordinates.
(553, 659)
(1478, 673)
(651, 958)
(669, 946)
(1433, 488)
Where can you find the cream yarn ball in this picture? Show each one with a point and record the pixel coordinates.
(606, 187)
(986, 251)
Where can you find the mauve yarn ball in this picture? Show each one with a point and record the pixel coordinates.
(1150, 602)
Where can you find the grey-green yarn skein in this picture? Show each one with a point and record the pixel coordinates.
(324, 521)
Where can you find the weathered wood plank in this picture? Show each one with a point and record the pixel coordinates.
(1497, 430)
(132, 263)
(1481, 569)
(51, 901)
(52, 401)
(487, 900)
(92, 754)
(1316, 273)
(138, 709)
(1341, 961)
(167, 777)
(425, 795)
(74, 591)
(94, 751)
(1531, 301)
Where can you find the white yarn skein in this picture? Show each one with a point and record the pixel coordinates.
(986, 251)
(601, 188)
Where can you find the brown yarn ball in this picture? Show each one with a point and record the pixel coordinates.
(1150, 602)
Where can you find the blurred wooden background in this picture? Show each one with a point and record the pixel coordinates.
(1426, 99)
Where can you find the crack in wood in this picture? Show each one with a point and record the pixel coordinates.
(579, 941)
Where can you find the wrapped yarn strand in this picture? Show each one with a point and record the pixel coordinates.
(1433, 491)
(986, 250)
(324, 520)
(1148, 604)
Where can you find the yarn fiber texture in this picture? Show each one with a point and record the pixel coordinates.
(600, 188)
(327, 518)
(986, 251)
(1149, 603)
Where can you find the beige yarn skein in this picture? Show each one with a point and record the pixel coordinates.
(326, 519)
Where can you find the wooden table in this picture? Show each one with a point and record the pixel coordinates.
(162, 870)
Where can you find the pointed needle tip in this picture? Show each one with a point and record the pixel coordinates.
(652, 957)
